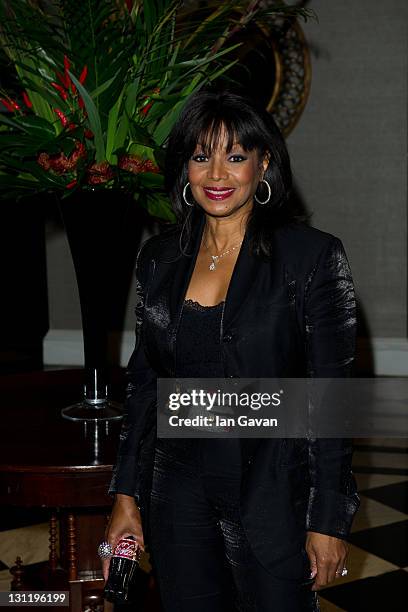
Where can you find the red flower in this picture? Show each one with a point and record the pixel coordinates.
(89, 134)
(146, 108)
(149, 166)
(71, 184)
(10, 104)
(61, 116)
(27, 100)
(44, 161)
(7, 105)
(60, 163)
(149, 105)
(131, 163)
(79, 151)
(69, 83)
(99, 173)
(63, 78)
(83, 74)
(135, 164)
(67, 64)
(60, 90)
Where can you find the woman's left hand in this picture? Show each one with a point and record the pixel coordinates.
(327, 556)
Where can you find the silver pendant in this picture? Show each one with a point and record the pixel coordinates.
(214, 261)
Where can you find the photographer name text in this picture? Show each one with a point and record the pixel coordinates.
(215, 420)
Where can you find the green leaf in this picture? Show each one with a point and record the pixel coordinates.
(165, 126)
(111, 129)
(103, 87)
(157, 205)
(12, 122)
(93, 118)
(152, 180)
(40, 106)
(37, 126)
(121, 133)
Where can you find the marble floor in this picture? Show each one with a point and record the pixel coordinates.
(377, 579)
(378, 546)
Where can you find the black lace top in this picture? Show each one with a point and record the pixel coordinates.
(198, 341)
(198, 355)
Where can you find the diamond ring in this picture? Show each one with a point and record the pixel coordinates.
(105, 550)
(342, 572)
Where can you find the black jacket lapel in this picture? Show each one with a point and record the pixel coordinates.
(241, 283)
(184, 267)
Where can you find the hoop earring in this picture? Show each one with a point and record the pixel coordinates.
(184, 195)
(269, 194)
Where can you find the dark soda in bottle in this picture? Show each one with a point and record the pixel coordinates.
(122, 571)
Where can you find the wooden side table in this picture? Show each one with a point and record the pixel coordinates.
(47, 461)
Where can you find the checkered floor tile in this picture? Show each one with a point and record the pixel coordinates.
(378, 545)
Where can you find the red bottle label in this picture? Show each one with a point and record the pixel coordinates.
(127, 549)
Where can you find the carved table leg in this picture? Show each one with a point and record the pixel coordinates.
(53, 559)
(18, 572)
(72, 556)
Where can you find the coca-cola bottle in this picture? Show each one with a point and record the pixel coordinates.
(122, 571)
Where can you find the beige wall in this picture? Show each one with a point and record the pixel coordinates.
(349, 149)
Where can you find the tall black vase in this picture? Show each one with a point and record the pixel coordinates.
(98, 225)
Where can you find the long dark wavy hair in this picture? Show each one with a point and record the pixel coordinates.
(206, 114)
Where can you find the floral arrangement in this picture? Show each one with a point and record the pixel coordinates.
(95, 87)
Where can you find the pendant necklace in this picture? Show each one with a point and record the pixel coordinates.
(216, 258)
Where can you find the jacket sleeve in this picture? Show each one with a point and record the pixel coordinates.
(141, 396)
(330, 332)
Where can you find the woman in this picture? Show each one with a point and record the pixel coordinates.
(237, 288)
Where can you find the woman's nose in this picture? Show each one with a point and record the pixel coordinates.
(217, 170)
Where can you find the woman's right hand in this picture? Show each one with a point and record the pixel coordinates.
(125, 520)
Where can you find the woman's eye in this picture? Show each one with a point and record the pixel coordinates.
(200, 157)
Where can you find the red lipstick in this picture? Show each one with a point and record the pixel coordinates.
(218, 193)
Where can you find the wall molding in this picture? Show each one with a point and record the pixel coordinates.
(387, 356)
(63, 347)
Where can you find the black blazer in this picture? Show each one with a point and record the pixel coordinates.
(292, 315)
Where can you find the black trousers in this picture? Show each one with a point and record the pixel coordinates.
(199, 552)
